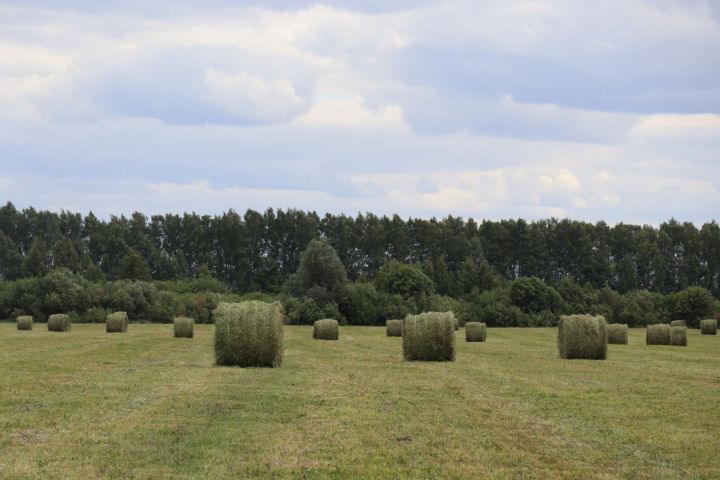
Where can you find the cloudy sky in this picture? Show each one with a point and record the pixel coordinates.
(485, 108)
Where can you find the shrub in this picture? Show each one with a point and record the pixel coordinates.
(24, 322)
(249, 334)
(475, 332)
(59, 322)
(582, 336)
(658, 334)
(531, 295)
(678, 336)
(326, 329)
(116, 323)
(617, 333)
(691, 304)
(678, 323)
(361, 304)
(708, 327)
(394, 328)
(396, 278)
(183, 327)
(429, 336)
(94, 315)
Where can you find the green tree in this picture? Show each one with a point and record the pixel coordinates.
(320, 269)
(37, 260)
(134, 267)
(692, 305)
(531, 295)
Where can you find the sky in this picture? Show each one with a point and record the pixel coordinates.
(488, 109)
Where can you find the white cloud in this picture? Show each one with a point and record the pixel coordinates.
(351, 112)
(691, 127)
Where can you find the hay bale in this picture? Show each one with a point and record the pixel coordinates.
(116, 322)
(183, 327)
(327, 329)
(678, 336)
(456, 323)
(59, 322)
(582, 336)
(393, 328)
(617, 333)
(708, 327)
(475, 332)
(658, 334)
(249, 334)
(429, 337)
(24, 322)
(678, 323)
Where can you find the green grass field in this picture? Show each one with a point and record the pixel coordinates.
(87, 404)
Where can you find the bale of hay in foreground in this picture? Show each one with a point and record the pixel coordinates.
(678, 336)
(658, 334)
(678, 323)
(394, 328)
(326, 329)
(183, 327)
(429, 337)
(249, 334)
(59, 322)
(617, 333)
(582, 336)
(116, 322)
(708, 327)
(475, 332)
(24, 322)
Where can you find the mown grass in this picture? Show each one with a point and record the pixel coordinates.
(146, 405)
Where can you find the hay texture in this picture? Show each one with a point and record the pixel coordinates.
(394, 328)
(429, 337)
(617, 333)
(475, 332)
(116, 322)
(59, 322)
(708, 327)
(678, 336)
(24, 322)
(658, 334)
(582, 336)
(249, 334)
(678, 323)
(183, 327)
(327, 329)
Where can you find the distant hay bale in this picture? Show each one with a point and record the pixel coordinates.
(475, 332)
(394, 328)
(326, 329)
(708, 327)
(183, 327)
(658, 334)
(249, 334)
(24, 322)
(617, 333)
(429, 337)
(582, 336)
(59, 322)
(678, 323)
(678, 336)
(116, 322)
(456, 323)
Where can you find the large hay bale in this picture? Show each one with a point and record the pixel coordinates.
(617, 333)
(116, 322)
(678, 336)
(326, 329)
(59, 322)
(249, 334)
(24, 322)
(394, 328)
(429, 337)
(658, 334)
(582, 336)
(183, 327)
(678, 323)
(708, 327)
(475, 332)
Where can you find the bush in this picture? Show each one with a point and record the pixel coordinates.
(531, 295)
(361, 304)
(408, 281)
(249, 334)
(304, 311)
(658, 334)
(475, 332)
(326, 329)
(691, 305)
(582, 336)
(429, 337)
(94, 315)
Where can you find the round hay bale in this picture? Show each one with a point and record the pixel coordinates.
(678, 323)
(249, 334)
(475, 332)
(326, 329)
(708, 327)
(24, 322)
(456, 323)
(394, 328)
(116, 322)
(183, 327)
(429, 337)
(582, 336)
(678, 336)
(658, 334)
(59, 322)
(617, 333)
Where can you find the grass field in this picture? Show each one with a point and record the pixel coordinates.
(87, 404)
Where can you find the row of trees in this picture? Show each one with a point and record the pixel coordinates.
(259, 251)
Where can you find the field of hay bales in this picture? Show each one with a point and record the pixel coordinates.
(147, 405)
